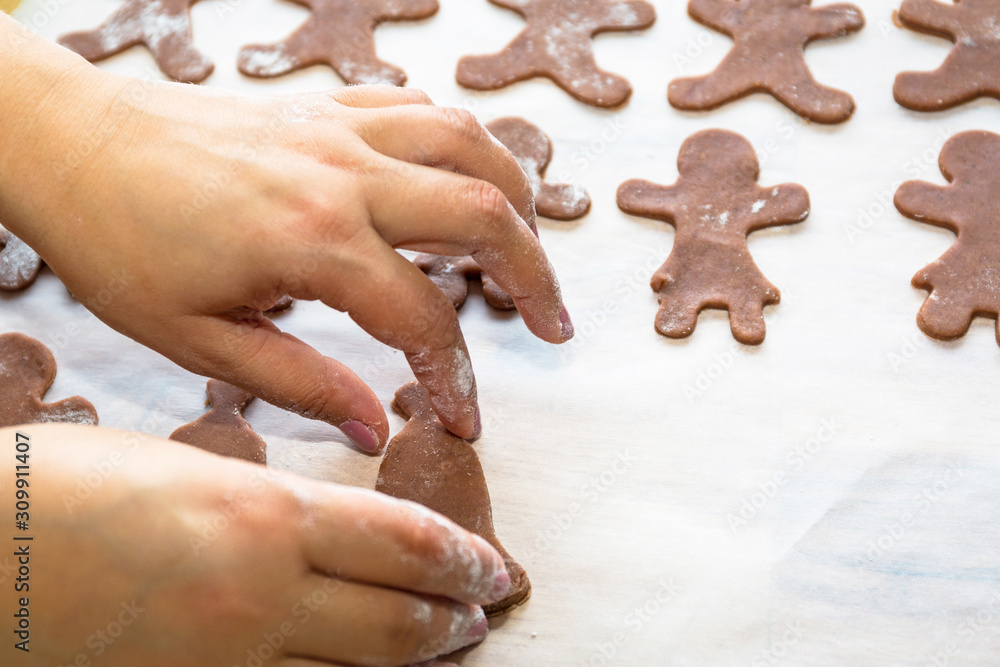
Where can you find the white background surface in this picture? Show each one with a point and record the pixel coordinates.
(618, 463)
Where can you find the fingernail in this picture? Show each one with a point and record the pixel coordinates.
(501, 586)
(479, 629)
(567, 324)
(362, 436)
(476, 630)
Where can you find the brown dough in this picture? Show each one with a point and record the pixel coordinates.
(281, 306)
(452, 276)
(163, 26)
(223, 430)
(971, 70)
(556, 44)
(338, 33)
(965, 281)
(714, 205)
(19, 264)
(769, 38)
(425, 463)
(27, 370)
(533, 151)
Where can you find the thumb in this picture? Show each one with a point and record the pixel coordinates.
(256, 356)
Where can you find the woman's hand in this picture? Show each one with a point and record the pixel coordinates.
(177, 214)
(150, 552)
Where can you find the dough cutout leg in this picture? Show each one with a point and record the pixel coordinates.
(942, 320)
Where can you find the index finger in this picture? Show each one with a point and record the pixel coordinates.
(450, 139)
(367, 536)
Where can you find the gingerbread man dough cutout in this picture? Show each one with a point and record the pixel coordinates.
(965, 281)
(163, 26)
(452, 276)
(27, 371)
(338, 33)
(714, 205)
(533, 150)
(19, 264)
(223, 430)
(971, 70)
(556, 44)
(426, 464)
(769, 38)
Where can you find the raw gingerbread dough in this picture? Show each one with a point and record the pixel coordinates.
(971, 70)
(556, 44)
(425, 463)
(965, 281)
(223, 430)
(163, 26)
(27, 370)
(338, 33)
(769, 38)
(283, 305)
(452, 276)
(714, 205)
(19, 264)
(533, 151)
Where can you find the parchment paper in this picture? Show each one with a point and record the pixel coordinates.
(831, 497)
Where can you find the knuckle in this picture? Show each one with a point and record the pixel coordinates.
(314, 402)
(437, 322)
(463, 123)
(427, 541)
(415, 96)
(488, 200)
(408, 628)
(269, 513)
